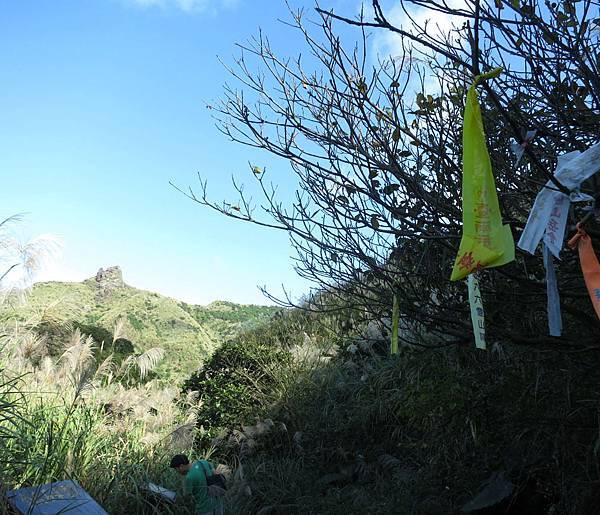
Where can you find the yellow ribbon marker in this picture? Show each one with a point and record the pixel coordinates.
(395, 320)
(485, 242)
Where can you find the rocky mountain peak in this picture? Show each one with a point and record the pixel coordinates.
(108, 280)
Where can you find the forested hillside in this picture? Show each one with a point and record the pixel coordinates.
(187, 333)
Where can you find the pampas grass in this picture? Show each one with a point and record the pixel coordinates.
(20, 261)
(69, 418)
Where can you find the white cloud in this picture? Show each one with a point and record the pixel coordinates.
(188, 6)
(59, 270)
(387, 43)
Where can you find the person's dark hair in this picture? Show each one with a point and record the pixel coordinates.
(178, 460)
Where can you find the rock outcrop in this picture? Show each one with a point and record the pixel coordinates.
(109, 280)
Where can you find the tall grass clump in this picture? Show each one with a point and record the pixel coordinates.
(69, 418)
(48, 438)
(55, 441)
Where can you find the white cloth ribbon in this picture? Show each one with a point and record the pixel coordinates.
(553, 303)
(548, 217)
(519, 148)
(477, 315)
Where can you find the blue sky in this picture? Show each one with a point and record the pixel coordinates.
(103, 103)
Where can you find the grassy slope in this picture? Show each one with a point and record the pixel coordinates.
(417, 433)
(188, 333)
(421, 432)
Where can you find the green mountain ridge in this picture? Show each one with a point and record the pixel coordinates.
(187, 332)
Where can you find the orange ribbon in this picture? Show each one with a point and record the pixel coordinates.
(589, 264)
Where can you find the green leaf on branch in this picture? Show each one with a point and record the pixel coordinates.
(550, 38)
(391, 188)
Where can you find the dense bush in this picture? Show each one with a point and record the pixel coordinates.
(237, 384)
(54, 333)
(231, 384)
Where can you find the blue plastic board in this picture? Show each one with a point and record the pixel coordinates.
(53, 499)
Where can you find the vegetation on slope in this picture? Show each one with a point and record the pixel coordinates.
(188, 333)
(227, 318)
(313, 420)
(415, 433)
(93, 421)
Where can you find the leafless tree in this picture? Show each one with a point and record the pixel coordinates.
(375, 145)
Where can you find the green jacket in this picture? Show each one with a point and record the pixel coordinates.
(195, 485)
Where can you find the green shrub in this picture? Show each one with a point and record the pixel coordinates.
(98, 333)
(56, 335)
(135, 322)
(244, 377)
(232, 384)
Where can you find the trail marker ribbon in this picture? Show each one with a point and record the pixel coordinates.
(485, 241)
(589, 265)
(395, 320)
(548, 217)
(477, 315)
(519, 148)
(553, 303)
